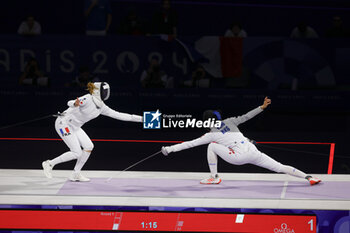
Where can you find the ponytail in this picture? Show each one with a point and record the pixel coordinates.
(91, 87)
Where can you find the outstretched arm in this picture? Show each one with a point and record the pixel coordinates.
(249, 115)
(205, 139)
(107, 111)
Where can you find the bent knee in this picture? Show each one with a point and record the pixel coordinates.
(211, 145)
(89, 147)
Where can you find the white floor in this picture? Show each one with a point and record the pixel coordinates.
(30, 187)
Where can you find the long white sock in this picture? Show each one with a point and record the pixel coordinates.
(81, 161)
(68, 156)
(213, 163)
(292, 171)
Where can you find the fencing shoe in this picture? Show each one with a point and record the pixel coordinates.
(314, 180)
(47, 169)
(211, 180)
(78, 177)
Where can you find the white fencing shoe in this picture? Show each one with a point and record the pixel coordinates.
(211, 180)
(47, 169)
(78, 177)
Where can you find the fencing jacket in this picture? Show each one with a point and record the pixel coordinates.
(88, 110)
(227, 134)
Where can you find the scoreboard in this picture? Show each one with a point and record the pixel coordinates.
(19, 219)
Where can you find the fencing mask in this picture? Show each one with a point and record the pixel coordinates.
(212, 114)
(101, 93)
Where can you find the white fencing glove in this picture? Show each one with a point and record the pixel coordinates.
(166, 150)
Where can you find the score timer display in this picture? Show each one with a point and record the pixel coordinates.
(150, 225)
(155, 221)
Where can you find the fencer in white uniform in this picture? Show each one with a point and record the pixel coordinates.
(232, 146)
(68, 126)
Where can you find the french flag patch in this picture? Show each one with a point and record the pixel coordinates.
(65, 132)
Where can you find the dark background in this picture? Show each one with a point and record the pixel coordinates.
(295, 115)
(259, 18)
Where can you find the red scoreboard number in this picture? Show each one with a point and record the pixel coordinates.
(155, 221)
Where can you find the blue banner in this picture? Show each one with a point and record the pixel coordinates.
(120, 60)
(268, 63)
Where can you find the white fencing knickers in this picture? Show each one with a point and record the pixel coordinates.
(247, 153)
(75, 139)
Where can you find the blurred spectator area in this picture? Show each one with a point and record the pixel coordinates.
(270, 63)
(259, 18)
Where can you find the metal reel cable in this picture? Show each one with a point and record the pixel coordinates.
(25, 122)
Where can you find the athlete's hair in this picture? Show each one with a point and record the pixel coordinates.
(91, 87)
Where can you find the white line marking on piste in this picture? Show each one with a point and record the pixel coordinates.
(284, 190)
